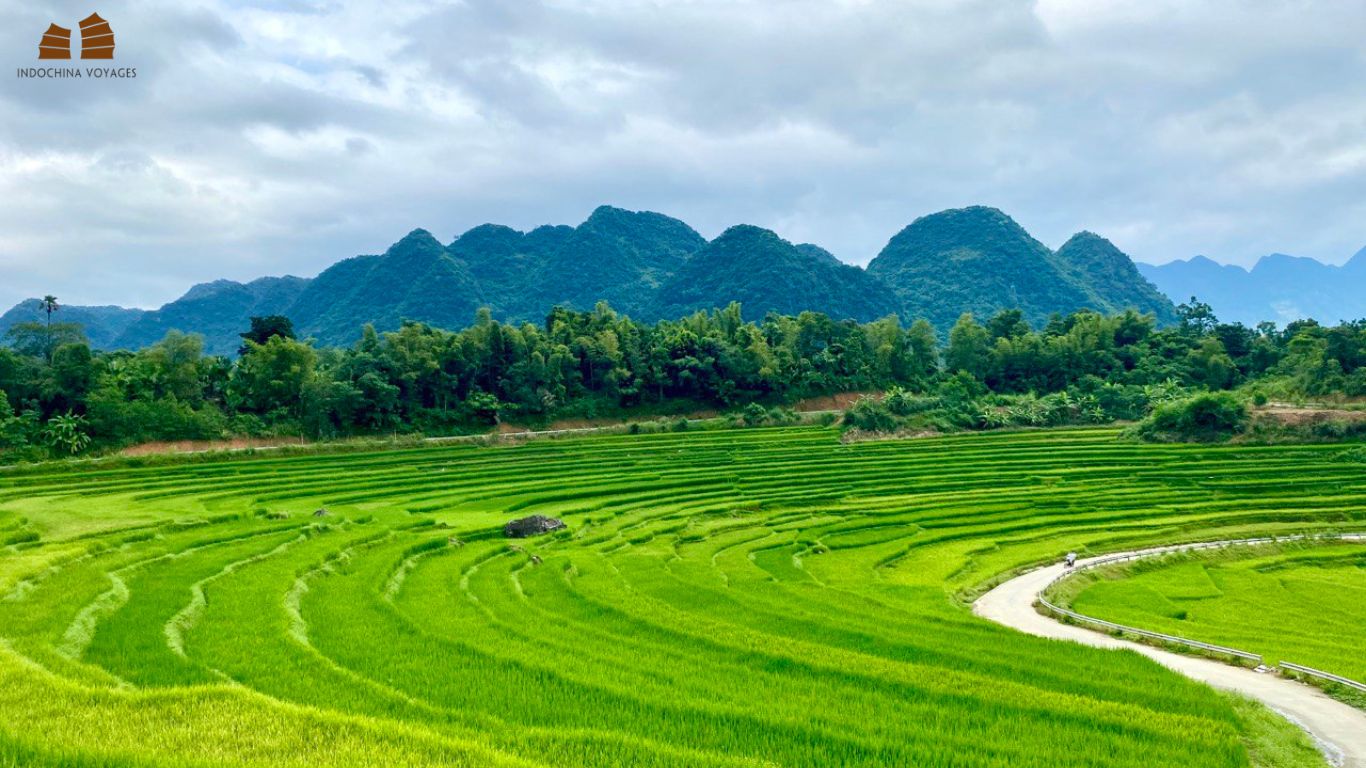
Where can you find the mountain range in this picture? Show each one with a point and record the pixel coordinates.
(980, 260)
(103, 325)
(651, 267)
(1278, 288)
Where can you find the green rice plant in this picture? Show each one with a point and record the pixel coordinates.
(729, 598)
(1292, 602)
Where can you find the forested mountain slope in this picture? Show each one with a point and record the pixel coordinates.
(652, 267)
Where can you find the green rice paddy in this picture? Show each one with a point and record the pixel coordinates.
(764, 597)
(1305, 605)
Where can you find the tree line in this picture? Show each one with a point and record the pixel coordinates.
(58, 396)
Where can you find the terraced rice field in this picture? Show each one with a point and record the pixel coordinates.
(762, 597)
(1305, 605)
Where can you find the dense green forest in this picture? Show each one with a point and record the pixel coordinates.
(651, 267)
(58, 397)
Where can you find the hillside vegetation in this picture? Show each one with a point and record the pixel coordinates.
(651, 267)
(60, 398)
(974, 260)
(758, 597)
(765, 273)
(102, 326)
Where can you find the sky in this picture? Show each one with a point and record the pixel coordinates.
(280, 136)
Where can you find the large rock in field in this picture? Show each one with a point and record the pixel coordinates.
(531, 526)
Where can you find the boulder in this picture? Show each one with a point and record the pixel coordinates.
(531, 526)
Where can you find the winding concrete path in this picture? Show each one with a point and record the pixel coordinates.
(1339, 728)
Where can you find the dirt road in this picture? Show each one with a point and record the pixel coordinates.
(1339, 728)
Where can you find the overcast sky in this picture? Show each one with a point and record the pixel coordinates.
(277, 137)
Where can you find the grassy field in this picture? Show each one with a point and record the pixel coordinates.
(763, 597)
(1305, 605)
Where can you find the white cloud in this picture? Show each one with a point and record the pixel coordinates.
(272, 137)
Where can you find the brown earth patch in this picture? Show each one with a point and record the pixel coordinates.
(581, 423)
(201, 446)
(1301, 416)
(859, 436)
(836, 402)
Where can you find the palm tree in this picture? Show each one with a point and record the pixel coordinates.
(50, 305)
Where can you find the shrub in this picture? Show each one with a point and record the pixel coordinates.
(1098, 401)
(902, 403)
(18, 431)
(899, 401)
(870, 415)
(483, 408)
(113, 420)
(754, 415)
(1206, 417)
(960, 391)
(67, 433)
(1338, 429)
(1356, 383)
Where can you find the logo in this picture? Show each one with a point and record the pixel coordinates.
(56, 43)
(97, 40)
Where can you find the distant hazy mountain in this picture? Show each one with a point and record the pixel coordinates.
(1278, 288)
(217, 310)
(980, 260)
(103, 325)
(651, 267)
(766, 273)
(1357, 264)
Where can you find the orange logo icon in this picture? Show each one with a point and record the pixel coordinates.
(56, 43)
(97, 40)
